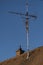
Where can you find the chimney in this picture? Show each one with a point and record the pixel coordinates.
(19, 51)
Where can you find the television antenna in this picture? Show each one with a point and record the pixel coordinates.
(28, 16)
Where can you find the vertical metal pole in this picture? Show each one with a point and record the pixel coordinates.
(27, 29)
(27, 37)
(27, 33)
(27, 46)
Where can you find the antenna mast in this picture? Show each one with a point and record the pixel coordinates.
(28, 16)
(27, 29)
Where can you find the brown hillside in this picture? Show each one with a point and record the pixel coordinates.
(36, 58)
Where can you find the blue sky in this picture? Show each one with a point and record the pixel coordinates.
(12, 27)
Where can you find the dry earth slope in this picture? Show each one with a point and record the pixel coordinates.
(36, 58)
